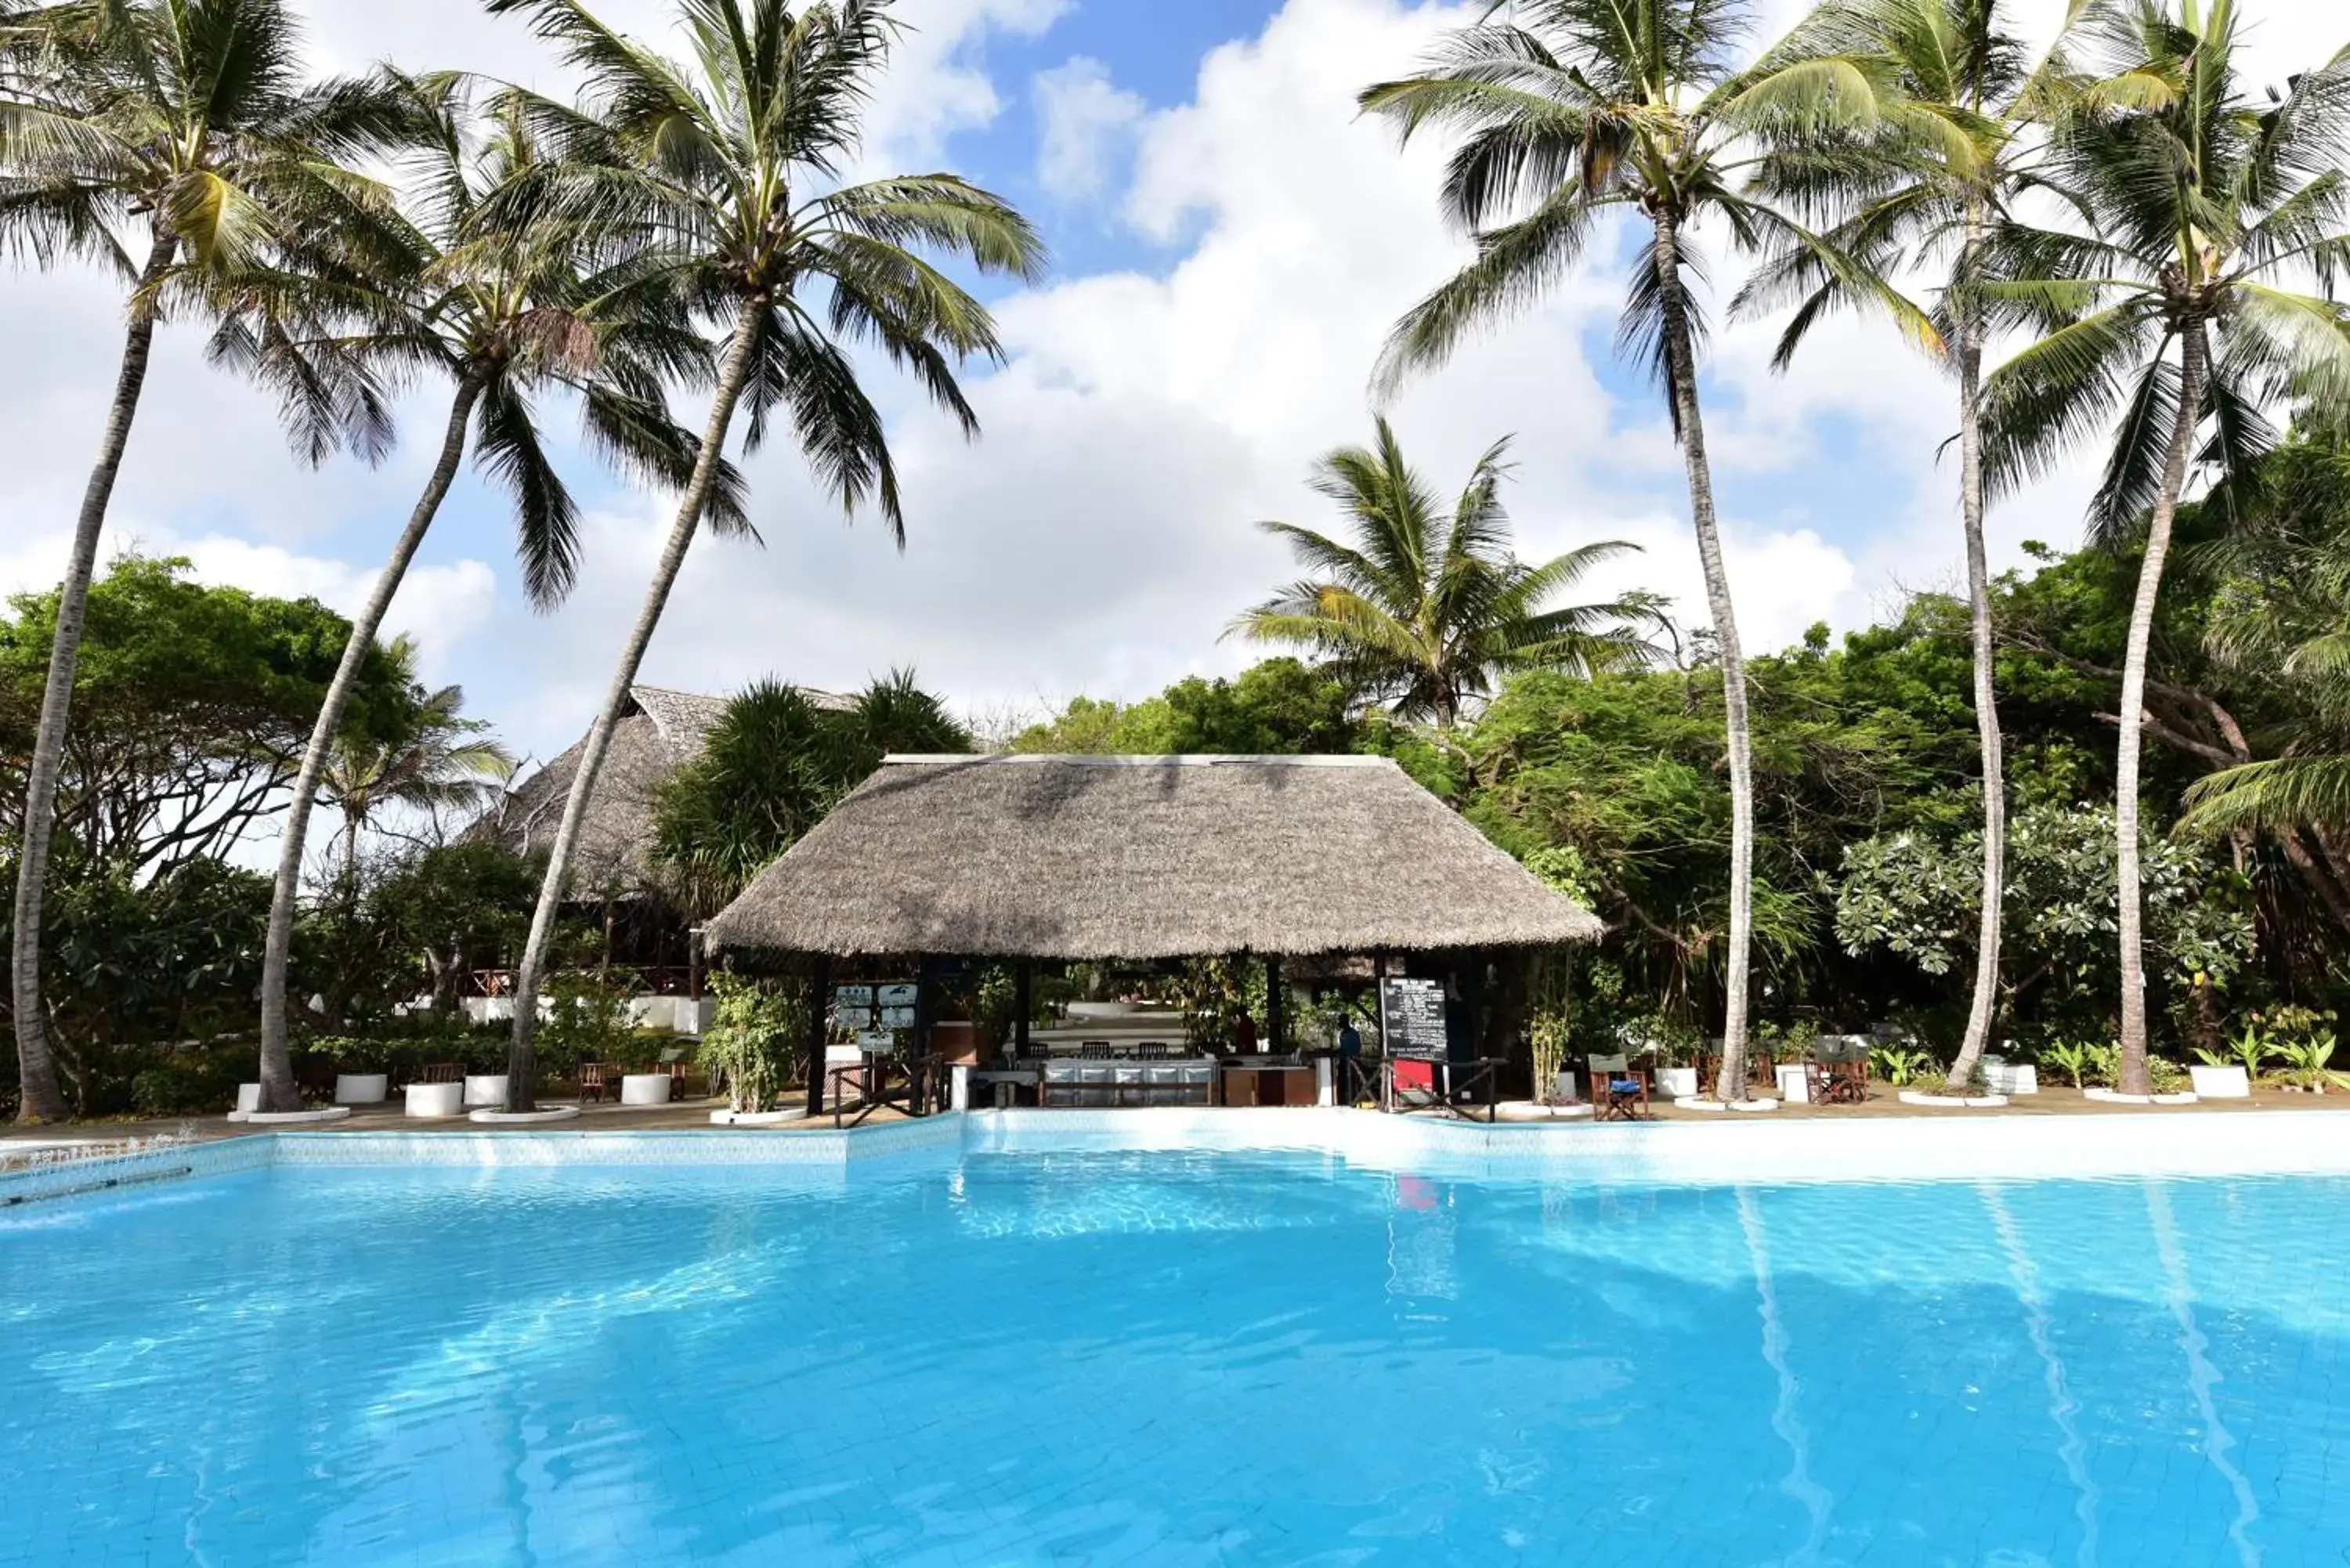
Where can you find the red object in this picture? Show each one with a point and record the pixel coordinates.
(1414, 1074)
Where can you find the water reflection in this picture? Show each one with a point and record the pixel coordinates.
(1786, 1419)
(2063, 1408)
(2178, 1295)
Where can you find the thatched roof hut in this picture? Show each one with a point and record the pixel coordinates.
(659, 732)
(1078, 857)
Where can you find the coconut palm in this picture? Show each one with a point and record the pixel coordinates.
(1947, 164)
(717, 182)
(1424, 612)
(437, 285)
(2185, 311)
(2281, 615)
(1574, 109)
(150, 137)
(439, 763)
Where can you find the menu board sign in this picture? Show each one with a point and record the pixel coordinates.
(871, 1009)
(1413, 1012)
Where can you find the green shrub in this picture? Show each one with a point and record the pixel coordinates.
(756, 1034)
(587, 1020)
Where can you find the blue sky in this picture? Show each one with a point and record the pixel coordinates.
(1231, 243)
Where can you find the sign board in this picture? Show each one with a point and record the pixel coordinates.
(862, 1008)
(1413, 1014)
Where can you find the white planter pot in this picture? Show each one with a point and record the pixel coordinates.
(296, 1118)
(362, 1088)
(2221, 1083)
(2116, 1098)
(248, 1098)
(1527, 1111)
(645, 1089)
(485, 1089)
(1564, 1090)
(1794, 1083)
(436, 1100)
(1677, 1083)
(2011, 1078)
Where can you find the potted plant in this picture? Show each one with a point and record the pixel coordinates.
(1676, 1063)
(755, 1035)
(2228, 1075)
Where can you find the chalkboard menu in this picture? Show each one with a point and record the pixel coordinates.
(1413, 1010)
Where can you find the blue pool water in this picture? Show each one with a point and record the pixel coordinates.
(1147, 1359)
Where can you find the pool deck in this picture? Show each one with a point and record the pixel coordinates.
(692, 1116)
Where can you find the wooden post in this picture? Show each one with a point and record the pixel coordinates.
(1023, 1004)
(1277, 1006)
(819, 1007)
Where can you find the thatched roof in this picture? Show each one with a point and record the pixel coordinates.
(659, 732)
(1144, 857)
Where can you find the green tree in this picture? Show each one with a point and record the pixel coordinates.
(419, 921)
(1275, 708)
(773, 766)
(188, 122)
(190, 704)
(2276, 619)
(714, 181)
(1942, 171)
(505, 313)
(1910, 893)
(2207, 207)
(1574, 109)
(1422, 611)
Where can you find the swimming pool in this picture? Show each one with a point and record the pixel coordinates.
(1120, 1358)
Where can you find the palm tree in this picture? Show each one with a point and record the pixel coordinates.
(1577, 109)
(771, 768)
(149, 136)
(439, 763)
(502, 313)
(1944, 170)
(2177, 315)
(1424, 612)
(716, 182)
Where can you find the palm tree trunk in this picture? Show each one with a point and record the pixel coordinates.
(1680, 368)
(2131, 922)
(1984, 1006)
(521, 1065)
(277, 1089)
(37, 1068)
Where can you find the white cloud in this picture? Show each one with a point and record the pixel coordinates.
(1098, 537)
(1083, 119)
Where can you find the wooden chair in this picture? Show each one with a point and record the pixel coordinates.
(595, 1081)
(1837, 1072)
(1619, 1090)
(675, 1062)
(440, 1073)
